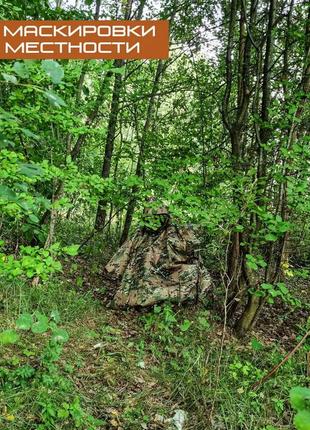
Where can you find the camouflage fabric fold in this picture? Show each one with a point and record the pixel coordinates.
(155, 266)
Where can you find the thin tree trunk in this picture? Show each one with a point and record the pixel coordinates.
(109, 146)
(142, 141)
(139, 168)
(236, 126)
(254, 303)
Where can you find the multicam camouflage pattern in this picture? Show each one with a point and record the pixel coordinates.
(155, 266)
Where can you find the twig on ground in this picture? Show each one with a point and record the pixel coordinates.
(275, 368)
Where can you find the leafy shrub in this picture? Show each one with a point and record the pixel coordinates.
(37, 373)
(300, 401)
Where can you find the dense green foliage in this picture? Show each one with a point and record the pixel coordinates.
(219, 134)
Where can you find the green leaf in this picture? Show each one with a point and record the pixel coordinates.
(8, 337)
(119, 70)
(60, 335)
(252, 265)
(53, 70)
(267, 286)
(7, 194)
(4, 143)
(21, 69)
(71, 250)
(157, 309)
(203, 322)
(298, 397)
(239, 227)
(256, 345)
(302, 420)
(261, 262)
(9, 78)
(55, 316)
(33, 218)
(256, 293)
(54, 99)
(24, 322)
(30, 170)
(63, 413)
(270, 237)
(283, 227)
(185, 325)
(7, 116)
(274, 293)
(282, 287)
(41, 326)
(29, 133)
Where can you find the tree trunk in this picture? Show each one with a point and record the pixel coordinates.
(245, 323)
(142, 140)
(109, 147)
(254, 303)
(275, 258)
(235, 125)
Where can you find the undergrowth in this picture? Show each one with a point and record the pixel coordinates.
(132, 370)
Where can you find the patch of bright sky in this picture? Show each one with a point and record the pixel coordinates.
(208, 40)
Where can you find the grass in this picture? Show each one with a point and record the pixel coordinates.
(132, 370)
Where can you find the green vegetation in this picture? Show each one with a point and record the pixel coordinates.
(219, 134)
(124, 369)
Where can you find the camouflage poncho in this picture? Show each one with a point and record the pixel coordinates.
(155, 266)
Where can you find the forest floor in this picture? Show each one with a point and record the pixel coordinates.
(134, 369)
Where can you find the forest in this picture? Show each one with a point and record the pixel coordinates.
(124, 159)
